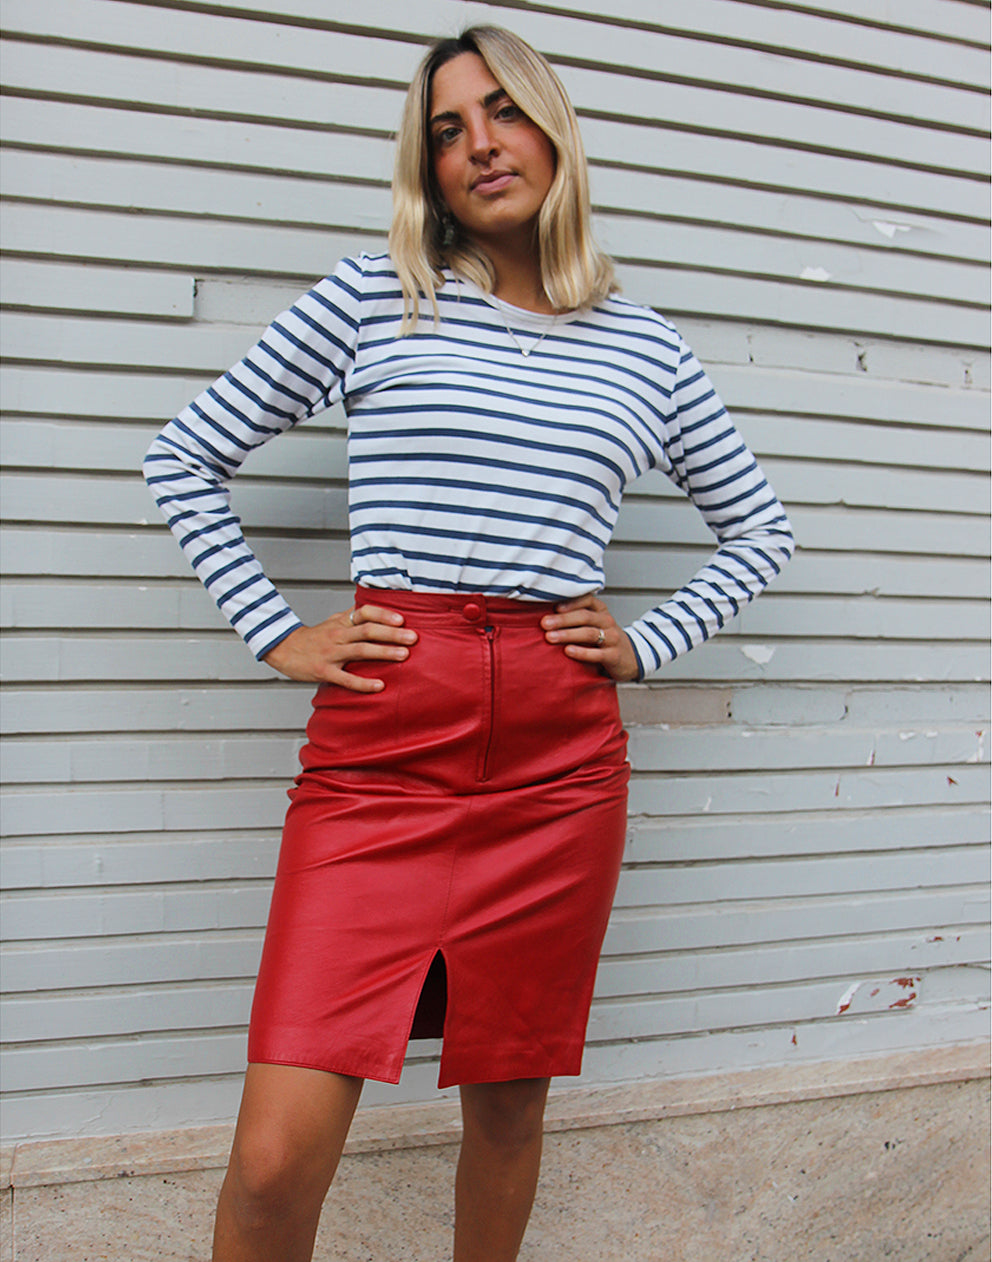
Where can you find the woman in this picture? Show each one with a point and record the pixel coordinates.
(455, 835)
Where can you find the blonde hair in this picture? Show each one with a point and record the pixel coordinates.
(573, 271)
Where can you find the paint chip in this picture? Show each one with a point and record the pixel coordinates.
(847, 997)
(889, 229)
(814, 273)
(759, 653)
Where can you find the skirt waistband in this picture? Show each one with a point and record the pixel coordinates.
(471, 607)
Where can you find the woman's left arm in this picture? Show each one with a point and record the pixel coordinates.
(706, 457)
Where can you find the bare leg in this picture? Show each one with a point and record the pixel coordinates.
(290, 1133)
(498, 1167)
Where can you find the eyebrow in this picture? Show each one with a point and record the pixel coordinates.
(452, 116)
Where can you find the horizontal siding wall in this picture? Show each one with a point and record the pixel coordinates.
(803, 189)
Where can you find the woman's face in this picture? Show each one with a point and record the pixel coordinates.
(493, 166)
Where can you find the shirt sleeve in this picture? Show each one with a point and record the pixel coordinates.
(299, 367)
(710, 462)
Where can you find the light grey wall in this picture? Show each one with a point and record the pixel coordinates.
(801, 189)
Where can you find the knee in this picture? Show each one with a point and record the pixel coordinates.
(505, 1115)
(267, 1181)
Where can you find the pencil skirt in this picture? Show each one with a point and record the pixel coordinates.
(449, 857)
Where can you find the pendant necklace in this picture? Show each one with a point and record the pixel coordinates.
(524, 350)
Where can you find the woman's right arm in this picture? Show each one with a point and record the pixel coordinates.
(298, 367)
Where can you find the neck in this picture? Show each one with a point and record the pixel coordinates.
(517, 264)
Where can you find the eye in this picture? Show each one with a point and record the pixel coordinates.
(509, 111)
(445, 135)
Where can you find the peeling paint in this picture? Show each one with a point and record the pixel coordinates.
(979, 754)
(907, 983)
(762, 654)
(889, 229)
(847, 998)
(814, 273)
(871, 759)
(879, 994)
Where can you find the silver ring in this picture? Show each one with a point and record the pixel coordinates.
(602, 637)
(351, 616)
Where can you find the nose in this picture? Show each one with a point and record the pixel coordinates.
(482, 139)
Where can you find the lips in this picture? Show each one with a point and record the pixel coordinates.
(493, 181)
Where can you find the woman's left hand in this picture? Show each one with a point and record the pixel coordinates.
(588, 632)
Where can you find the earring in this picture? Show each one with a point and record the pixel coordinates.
(447, 232)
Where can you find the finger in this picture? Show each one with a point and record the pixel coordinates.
(588, 653)
(577, 618)
(580, 602)
(374, 613)
(370, 651)
(588, 632)
(378, 632)
(354, 683)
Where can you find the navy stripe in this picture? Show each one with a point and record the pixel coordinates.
(520, 492)
(399, 528)
(508, 440)
(490, 463)
(428, 506)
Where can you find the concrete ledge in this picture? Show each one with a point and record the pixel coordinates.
(38, 1163)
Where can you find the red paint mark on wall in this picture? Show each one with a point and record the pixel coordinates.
(907, 983)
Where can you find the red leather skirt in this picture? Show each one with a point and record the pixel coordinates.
(463, 828)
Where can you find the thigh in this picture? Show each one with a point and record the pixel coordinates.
(291, 1129)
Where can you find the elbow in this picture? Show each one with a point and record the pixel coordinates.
(788, 539)
(158, 468)
(159, 459)
(151, 465)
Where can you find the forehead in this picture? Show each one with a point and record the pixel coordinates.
(463, 81)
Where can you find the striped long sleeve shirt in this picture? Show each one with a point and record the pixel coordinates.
(486, 454)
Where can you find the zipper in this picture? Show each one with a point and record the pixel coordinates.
(489, 685)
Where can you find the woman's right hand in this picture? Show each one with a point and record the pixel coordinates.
(319, 654)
